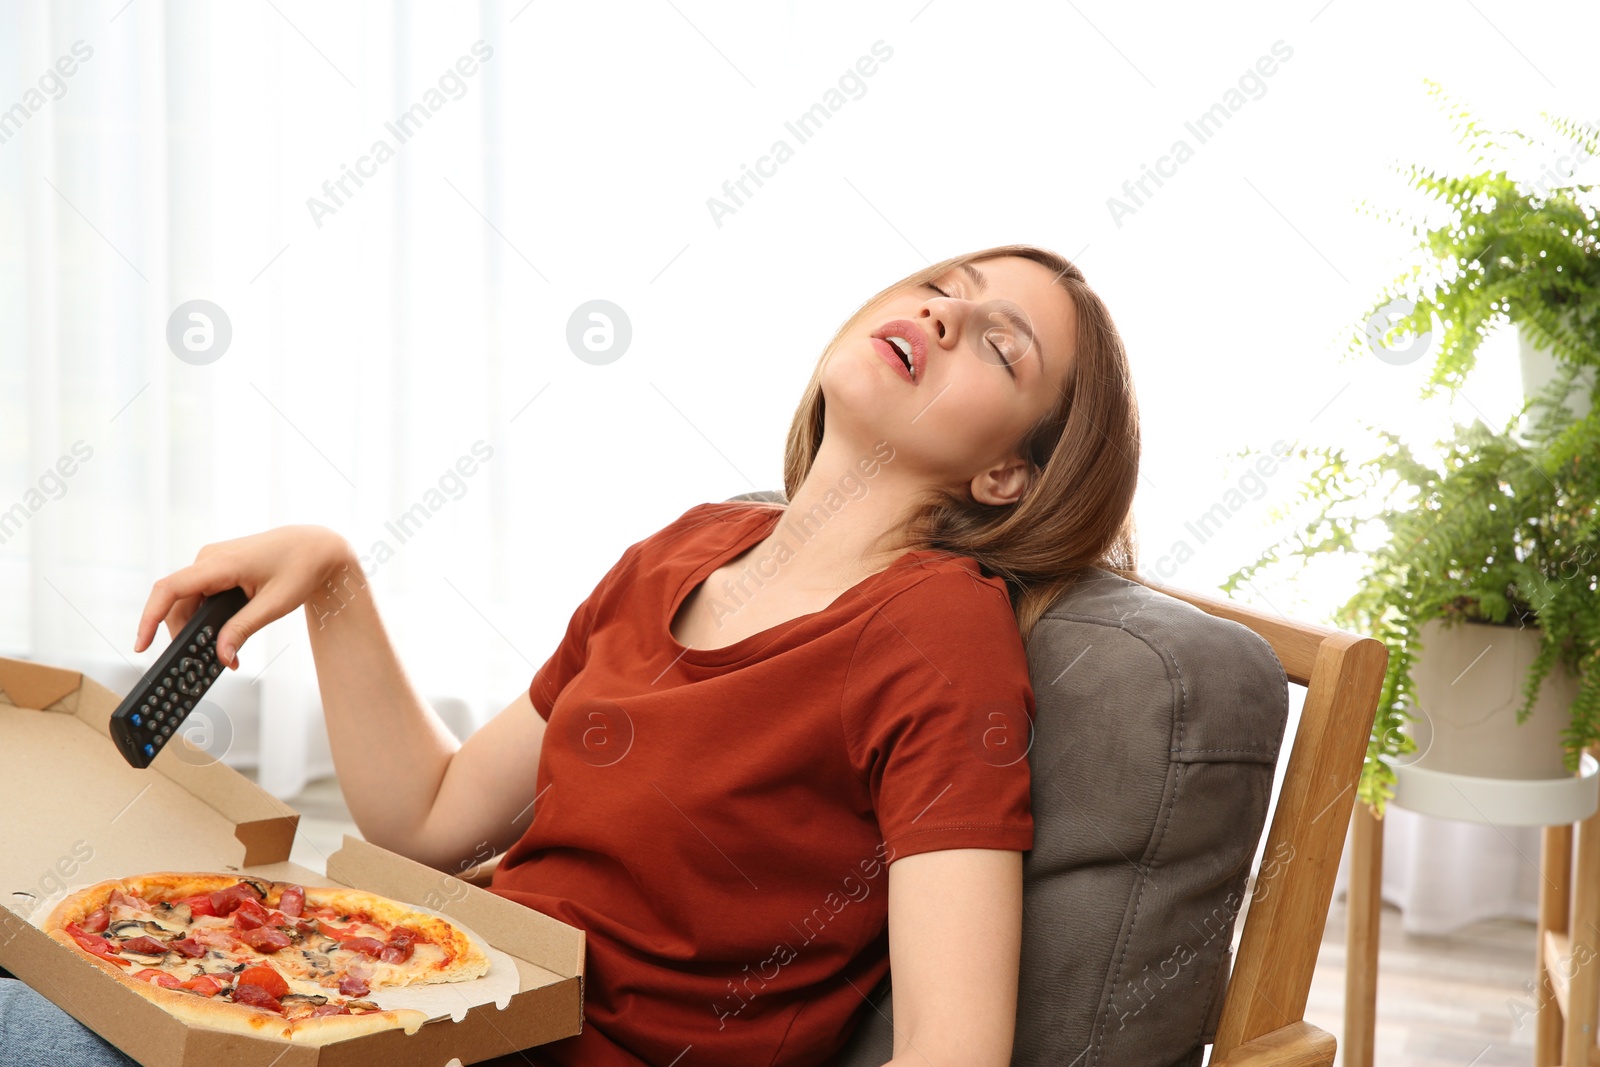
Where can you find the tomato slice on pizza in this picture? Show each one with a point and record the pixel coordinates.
(263, 957)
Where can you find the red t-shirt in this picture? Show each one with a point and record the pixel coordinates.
(720, 821)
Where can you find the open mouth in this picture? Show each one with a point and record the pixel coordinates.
(892, 350)
(903, 344)
(902, 347)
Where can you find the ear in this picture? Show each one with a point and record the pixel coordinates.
(1002, 484)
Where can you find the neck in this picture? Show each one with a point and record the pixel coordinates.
(836, 522)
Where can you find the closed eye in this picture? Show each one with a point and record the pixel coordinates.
(1001, 355)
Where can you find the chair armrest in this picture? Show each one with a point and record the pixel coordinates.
(1296, 1045)
(480, 874)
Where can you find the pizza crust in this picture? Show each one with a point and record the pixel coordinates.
(464, 959)
(255, 1022)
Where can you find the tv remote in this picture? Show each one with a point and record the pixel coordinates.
(169, 691)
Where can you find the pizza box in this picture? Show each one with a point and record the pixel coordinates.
(76, 813)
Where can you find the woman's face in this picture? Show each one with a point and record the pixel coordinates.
(991, 344)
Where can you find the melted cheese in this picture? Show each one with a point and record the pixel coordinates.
(293, 963)
(426, 959)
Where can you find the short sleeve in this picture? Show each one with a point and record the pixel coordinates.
(938, 715)
(570, 655)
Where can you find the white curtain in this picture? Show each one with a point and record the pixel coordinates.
(382, 331)
(368, 385)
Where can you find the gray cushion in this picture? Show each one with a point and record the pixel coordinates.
(1157, 735)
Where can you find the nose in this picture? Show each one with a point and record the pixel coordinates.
(941, 318)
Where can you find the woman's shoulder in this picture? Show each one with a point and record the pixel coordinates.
(950, 594)
(946, 574)
(945, 623)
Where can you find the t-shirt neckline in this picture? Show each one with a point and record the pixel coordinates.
(745, 647)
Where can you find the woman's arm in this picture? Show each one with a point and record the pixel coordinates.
(411, 786)
(955, 947)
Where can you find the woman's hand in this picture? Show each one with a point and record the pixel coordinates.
(279, 570)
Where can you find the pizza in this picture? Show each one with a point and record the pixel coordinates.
(265, 958)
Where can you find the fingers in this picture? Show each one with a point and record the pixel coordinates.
(188, 586)
(267, 605)
(231, 639)
(271, 568)
(180, 614)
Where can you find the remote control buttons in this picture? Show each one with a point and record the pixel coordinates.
(192, 682)
(169, 695)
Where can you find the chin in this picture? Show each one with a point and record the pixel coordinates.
(855, 378)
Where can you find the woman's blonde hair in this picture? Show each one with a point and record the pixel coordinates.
(1083, 461)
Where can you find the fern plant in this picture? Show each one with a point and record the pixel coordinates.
(1505, 527)
(1523, 250)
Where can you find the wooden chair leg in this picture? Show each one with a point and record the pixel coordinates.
(1555, 867)
(1361, 936)
(1583, 987)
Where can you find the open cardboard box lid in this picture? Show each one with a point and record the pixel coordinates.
(76, 813)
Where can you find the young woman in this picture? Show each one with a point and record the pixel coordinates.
(777, 745)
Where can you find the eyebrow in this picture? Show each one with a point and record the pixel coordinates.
(1017, 320)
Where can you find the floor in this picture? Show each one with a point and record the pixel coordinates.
(324, 820)
(1457, 1001)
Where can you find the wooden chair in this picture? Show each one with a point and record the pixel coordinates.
(1263, 1012)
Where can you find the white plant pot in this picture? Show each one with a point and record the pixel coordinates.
(1468, 680)
(1539, 367)
(1474, 761)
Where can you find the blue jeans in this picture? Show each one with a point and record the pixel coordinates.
(34, 1032)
